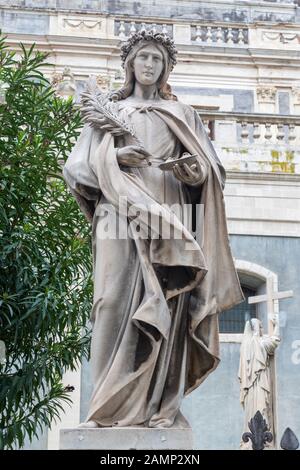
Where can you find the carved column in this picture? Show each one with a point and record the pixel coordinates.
(266, 98)
(104, 82)
(64, 83)
(296, 99)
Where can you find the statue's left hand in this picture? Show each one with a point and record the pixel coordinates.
(191, 175)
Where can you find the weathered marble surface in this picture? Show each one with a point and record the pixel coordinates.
(218, 10)
(179, 436)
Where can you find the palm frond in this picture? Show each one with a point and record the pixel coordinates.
(101, 113)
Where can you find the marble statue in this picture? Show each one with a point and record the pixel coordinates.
(255, 375)
(156, 298)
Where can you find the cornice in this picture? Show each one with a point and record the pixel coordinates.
(261, 177)
(186, 53)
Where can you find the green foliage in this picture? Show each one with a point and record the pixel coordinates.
(45, 262)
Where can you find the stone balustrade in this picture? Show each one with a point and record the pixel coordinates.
(255, 142)
(124, 28)
(185, 32)
(213, 34)
(219, 35)
(255, 127)
(196, 33)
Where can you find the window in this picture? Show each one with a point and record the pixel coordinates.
(233, 320)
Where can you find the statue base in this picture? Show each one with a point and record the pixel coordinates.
(179, 436)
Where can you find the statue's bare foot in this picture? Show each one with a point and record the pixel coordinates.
(88, 425)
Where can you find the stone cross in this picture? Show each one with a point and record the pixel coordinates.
(269, 297)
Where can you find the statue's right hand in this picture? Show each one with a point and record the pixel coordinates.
(133, 155)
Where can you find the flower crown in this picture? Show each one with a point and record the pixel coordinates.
(145, 35)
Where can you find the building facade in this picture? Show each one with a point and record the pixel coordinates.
(239, 66)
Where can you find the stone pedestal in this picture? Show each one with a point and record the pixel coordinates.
(179, 436)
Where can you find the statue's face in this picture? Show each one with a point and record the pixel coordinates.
(148, 65)
(257, 326)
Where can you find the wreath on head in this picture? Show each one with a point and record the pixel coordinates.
(145, 35)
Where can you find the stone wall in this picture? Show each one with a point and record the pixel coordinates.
(238, 11)
(213, 409)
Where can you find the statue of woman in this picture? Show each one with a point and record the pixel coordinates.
(156, 297)
(254, 372)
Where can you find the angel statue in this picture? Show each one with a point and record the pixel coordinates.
(158, 290)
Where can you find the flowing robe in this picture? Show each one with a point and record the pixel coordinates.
(256, 384)
(156, 300)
